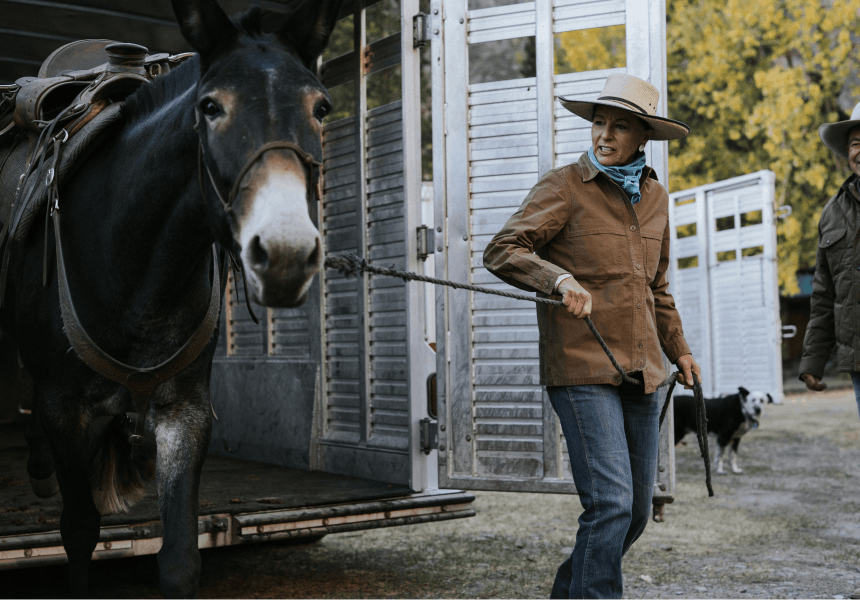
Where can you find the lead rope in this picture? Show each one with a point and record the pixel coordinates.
(351, 265)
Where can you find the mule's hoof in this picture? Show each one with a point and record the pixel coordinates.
(45, 488)
(720, 472)
(737, 470)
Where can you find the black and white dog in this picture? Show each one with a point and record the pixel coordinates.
(730, 417)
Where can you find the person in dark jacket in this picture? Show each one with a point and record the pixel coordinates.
(834, 321)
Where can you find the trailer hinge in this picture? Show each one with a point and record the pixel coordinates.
(426, 241)
(429, 436)
(420, 30)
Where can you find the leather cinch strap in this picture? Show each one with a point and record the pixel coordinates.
(139, 381)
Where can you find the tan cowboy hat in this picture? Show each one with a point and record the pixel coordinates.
(835, 135)
(637, 96)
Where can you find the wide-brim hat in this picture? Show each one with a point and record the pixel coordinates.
(633, 94)
(835, 135)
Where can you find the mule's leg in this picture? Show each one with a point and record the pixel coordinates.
(182, 433)
(65, 422)
(40, 466)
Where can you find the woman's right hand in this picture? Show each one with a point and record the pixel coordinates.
(575, 298)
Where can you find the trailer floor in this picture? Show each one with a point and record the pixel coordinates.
(226, 486)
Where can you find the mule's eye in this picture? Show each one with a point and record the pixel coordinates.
(209, 108)
(322, 111)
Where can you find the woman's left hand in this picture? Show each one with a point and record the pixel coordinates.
(687, 365)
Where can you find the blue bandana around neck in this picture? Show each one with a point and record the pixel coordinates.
(627, 176)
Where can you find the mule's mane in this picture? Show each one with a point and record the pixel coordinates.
(150, 97)
(162, 90)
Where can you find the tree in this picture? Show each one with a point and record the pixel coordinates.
(754, 79)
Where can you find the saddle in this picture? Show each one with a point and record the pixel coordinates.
(48, 122)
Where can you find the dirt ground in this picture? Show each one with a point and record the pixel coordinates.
(788, 527)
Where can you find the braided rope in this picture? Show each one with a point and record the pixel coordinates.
(351, 265)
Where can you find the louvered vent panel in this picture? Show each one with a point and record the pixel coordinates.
(508, 411)
(290, 331)
(389, 405)
(245, 337)
(340, 228)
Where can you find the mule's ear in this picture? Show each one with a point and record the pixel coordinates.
(309, 28)
(743, 392)
(203, 24)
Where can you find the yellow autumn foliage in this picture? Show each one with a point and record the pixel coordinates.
(754, 79)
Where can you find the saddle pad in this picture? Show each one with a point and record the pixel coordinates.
(73, 153)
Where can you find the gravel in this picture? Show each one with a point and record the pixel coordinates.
(788, 527)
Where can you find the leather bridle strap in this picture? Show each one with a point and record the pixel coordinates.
(311, 166)
(307, 159)
(139, 381)
(232, 262)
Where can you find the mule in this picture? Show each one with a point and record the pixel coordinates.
(214, 152)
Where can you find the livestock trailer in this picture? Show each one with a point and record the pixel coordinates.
(724, 277)
(377, 401)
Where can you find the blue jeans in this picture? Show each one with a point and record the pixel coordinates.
(855, 379)
(612, 434)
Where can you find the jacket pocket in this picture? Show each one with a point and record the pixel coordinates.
(653, 246)
(835, 246)
(597, 253)
(830, 238)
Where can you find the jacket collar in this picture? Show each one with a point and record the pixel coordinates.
(849, 186)
(589, 171)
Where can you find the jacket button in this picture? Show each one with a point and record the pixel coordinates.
(633, 228)
(638, 266)
(640, 345)
(639, 305)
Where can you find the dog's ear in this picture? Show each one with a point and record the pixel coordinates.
(770, 399)
(743, 392)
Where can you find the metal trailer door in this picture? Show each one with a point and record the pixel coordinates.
(338, 385)
(724, 279)
(491, 142)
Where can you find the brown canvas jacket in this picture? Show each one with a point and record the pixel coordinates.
(577, 220)
(834, 319)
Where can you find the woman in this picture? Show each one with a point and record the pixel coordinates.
(596, 233)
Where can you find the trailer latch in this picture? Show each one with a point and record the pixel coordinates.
(429, 435)
(426, 241)
(420, 32)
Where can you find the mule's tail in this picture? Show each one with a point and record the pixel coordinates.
(117, 479)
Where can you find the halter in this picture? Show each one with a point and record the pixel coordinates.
(314, 185)
(312, 166)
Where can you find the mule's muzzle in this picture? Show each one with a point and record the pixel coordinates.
(281, 246)
(280, 271)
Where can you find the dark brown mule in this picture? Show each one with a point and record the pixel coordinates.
(137, 237)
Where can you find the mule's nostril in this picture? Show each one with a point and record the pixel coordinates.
(313, 257)
(257, 254)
